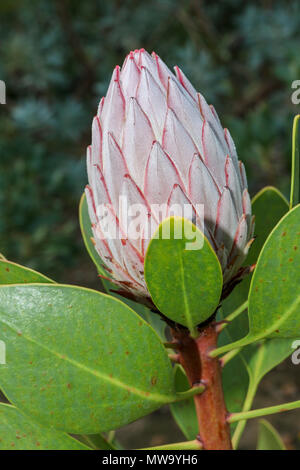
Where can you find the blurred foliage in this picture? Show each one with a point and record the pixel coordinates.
(57, 58)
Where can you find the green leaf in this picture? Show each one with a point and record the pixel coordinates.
(87, 235)
(17, 432)
(79, 360)
(295, 177)
(177, 275)
(150, 317)
(274, 298)
(184, 411)
(12, 273)
(263, 357)
(269, 206)
(95, 441)
(268, 437)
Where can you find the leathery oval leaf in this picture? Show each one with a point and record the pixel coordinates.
(268, 437)
(268, 206)
(17, 432)
(182, 273)
(274, 298)
(13, 273)
(78, 360)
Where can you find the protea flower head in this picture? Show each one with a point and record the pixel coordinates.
(155, 141)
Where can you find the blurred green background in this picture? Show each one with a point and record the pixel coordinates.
(57, 59)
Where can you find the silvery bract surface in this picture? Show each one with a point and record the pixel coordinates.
(158, 144)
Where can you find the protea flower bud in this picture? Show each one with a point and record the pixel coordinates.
(155, 141)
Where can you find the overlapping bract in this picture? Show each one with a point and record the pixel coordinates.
(155, 141)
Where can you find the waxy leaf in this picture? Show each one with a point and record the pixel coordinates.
(269, 206)
(78, 360)
(263, 357)
(268, 437)
(96, 441)
(18, 432)
(274, 298)
(295, 177)
(12, 273)
(183, 274)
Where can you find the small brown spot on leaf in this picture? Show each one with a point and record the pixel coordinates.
(153, 380)
(283, 234)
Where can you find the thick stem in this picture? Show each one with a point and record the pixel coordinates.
(214, 431)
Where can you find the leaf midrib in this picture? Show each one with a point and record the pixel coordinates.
(185, 299)
(156, 397)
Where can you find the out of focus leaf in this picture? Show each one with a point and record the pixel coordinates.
(268, 437)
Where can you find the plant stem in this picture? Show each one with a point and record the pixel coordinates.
(228, 356)
(214, 431)
(246, 407)
(264, 411)
(233, 315)
(188, 445)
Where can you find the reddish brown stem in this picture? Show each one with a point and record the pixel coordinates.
(214, 431)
